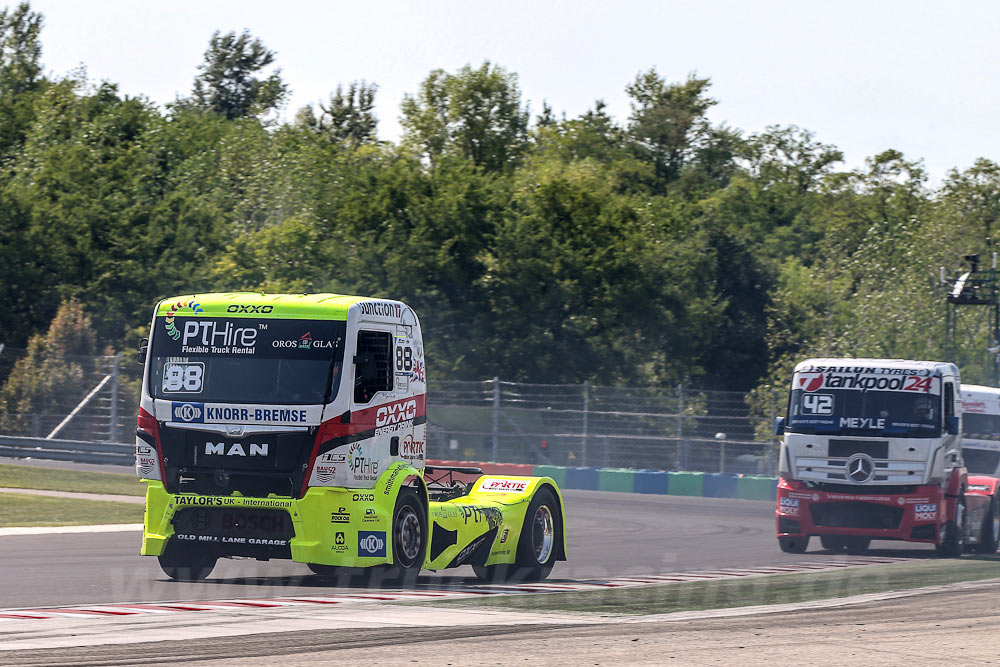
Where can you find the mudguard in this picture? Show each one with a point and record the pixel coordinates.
(484, 527)
(981, 485)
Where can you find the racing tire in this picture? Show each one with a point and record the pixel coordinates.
(186, 564)
(852, 544)
(834, 543)
(794, 545)
(409, 542)
(952, 544)
(989, 534)
(537, 547)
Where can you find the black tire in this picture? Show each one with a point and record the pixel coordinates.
(834, 543)
(409, 541)
(952, 544)
(537, 548)
(794, 545)
(186, 564)
(989, 533)
(857, 546)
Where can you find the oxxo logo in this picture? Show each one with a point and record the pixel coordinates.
(363, 498)
(371, 543)
(240, 308)
(396, 412)
(924, 511)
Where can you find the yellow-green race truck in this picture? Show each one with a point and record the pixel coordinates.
(294, 426)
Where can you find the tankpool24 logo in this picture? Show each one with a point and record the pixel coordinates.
(172, 331)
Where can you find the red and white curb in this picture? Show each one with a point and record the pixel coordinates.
(430, 594)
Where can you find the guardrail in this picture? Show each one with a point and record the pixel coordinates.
(78, 451)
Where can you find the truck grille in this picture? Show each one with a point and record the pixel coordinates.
(856, 515)
(258, 464)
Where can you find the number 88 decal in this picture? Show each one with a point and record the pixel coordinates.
(404, 358)
(183, 377)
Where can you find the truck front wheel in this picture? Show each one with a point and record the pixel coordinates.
(952, 541)
(794, 545)
(186, 564)
(851, 544)
(990, 532)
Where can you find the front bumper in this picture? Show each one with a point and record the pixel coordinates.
(329, 525)
(912, 517)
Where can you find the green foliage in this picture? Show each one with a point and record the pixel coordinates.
(229, 83)
(53, 376)
(660, 248)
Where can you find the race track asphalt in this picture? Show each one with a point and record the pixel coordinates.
(609, 535)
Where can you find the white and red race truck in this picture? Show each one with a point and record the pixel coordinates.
(872, 450)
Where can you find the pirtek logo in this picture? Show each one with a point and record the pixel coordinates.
(396, 412)
(236, 449)
(239, 308)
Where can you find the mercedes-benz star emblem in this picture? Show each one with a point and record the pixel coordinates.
(860, 468)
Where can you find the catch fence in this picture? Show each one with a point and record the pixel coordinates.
(662, 428)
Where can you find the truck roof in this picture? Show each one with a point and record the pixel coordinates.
(261, 305)
(980, 399)
(848, 365)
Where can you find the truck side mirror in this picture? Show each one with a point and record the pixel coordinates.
(779, 426)
(952, 425)
(141, 352)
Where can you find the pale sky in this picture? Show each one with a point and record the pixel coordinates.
(863, 75)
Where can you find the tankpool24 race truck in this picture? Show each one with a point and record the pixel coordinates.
(293, 426)
(872, 450)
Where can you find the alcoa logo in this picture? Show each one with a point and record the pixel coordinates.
(172, 331)
(396, 412)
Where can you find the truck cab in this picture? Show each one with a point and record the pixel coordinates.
(872, 450)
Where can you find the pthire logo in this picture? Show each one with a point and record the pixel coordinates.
(396, 412)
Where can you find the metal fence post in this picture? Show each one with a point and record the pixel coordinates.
(113, 428)
(496, 419)
(586, 419)
(680, 457)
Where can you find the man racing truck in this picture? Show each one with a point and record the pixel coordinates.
(872, 450)
(293, 426)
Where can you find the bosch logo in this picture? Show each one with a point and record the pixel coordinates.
(860, 468)
(396, 412)
(250, 309)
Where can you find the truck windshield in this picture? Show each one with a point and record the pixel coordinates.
(245, 360)
(980, 426)
(860, 412)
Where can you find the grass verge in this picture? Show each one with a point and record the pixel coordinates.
(21, 510)
(778, 589)
(52, 479)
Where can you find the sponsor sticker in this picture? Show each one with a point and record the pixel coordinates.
(924, 511)
(371, 543)
(191, 413)
(505, 485)
(340, 542)
(340, 516)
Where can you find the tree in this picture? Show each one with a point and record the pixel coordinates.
(20, 72)
(230, 83)
(349, 117)
(670, 129)
(476, 113)
(55, 374)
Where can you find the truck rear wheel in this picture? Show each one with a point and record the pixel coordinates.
(186, 564)
(990, 531)
(794, 545)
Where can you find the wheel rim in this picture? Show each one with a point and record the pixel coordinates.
(408, 535)
(543, 534)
